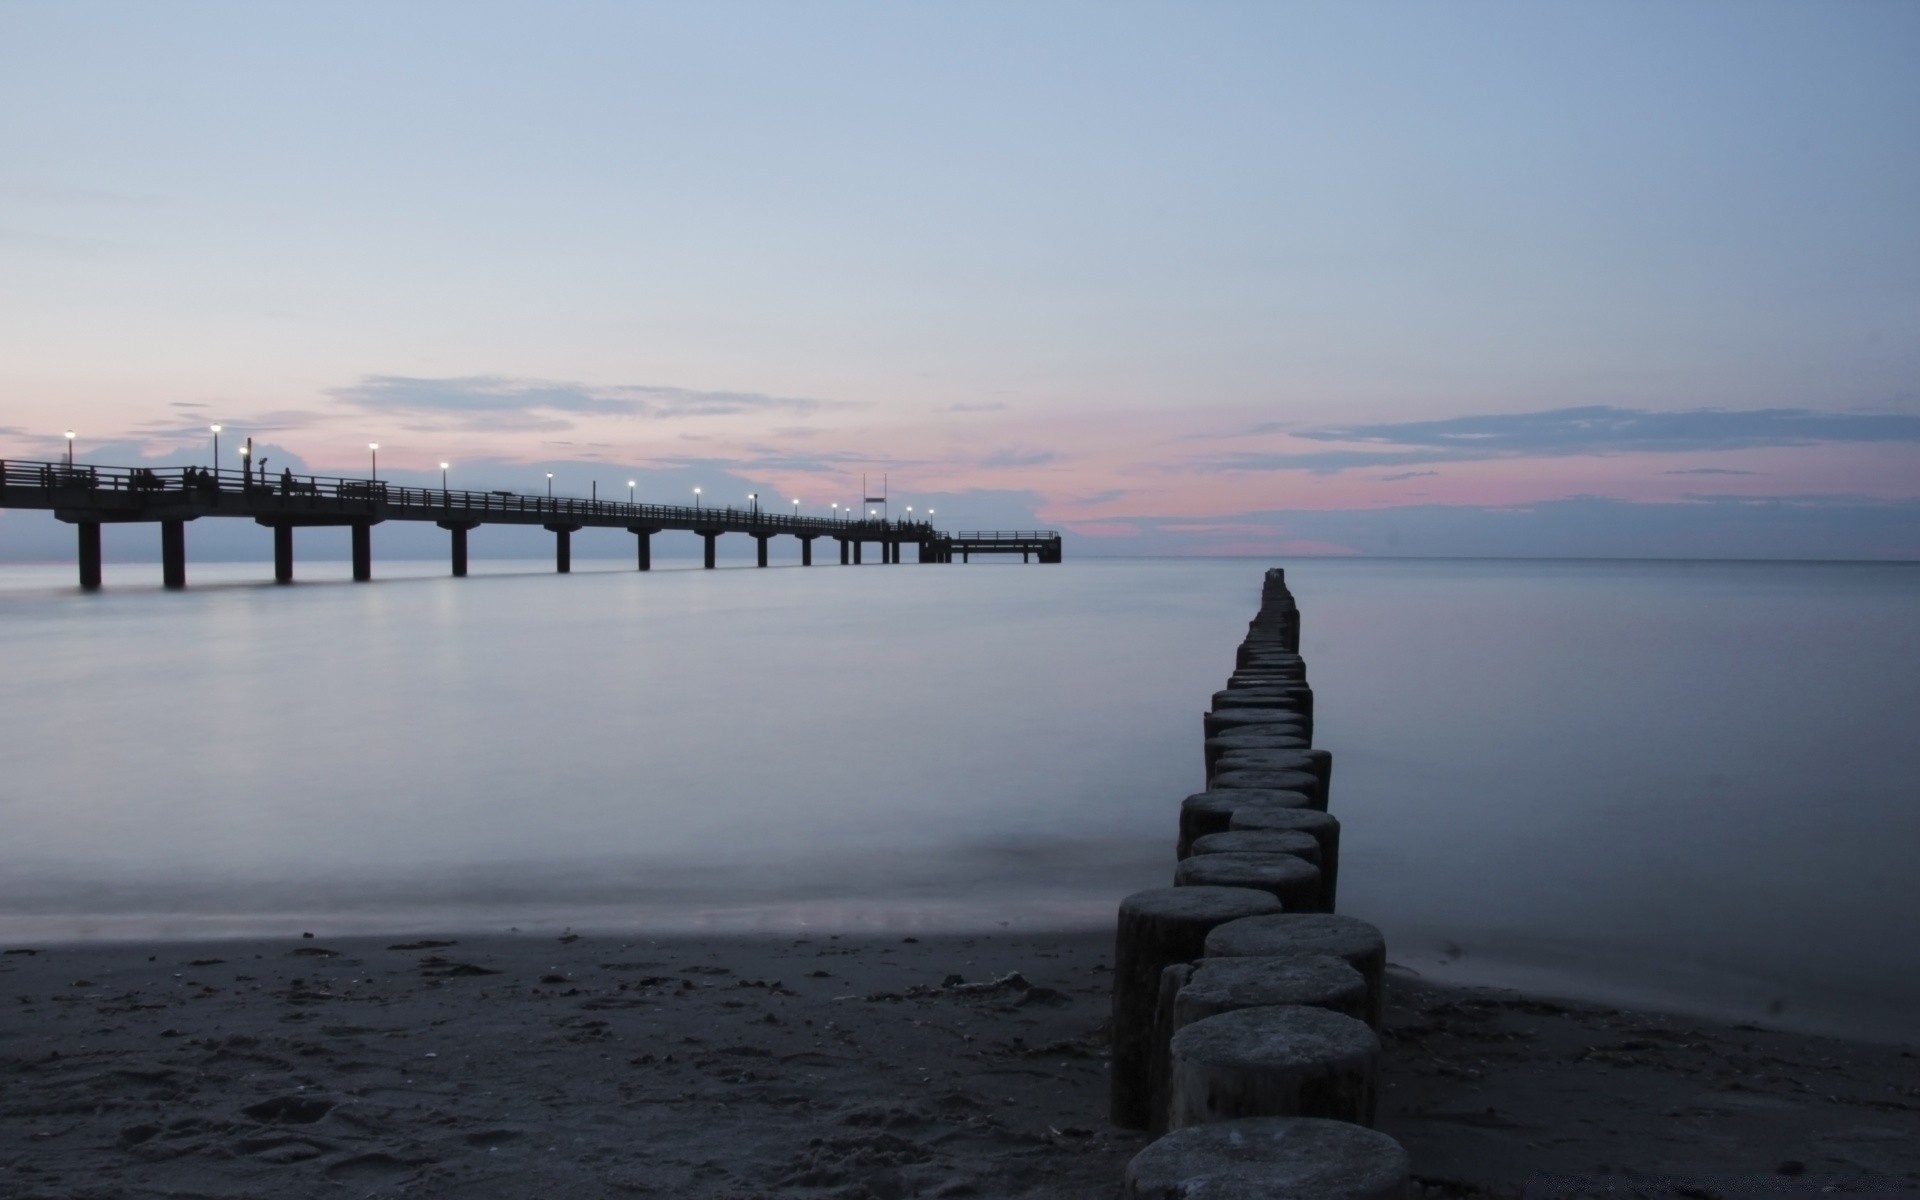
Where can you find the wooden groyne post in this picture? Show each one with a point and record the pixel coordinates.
(1246, 1010)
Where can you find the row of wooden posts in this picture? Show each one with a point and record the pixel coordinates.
(1246, 1012)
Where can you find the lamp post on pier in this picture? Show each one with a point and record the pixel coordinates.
(373, 449)
(696, 497)
(549, 485)
(629, 491)
(443, 481)
(216, 450)
(69, 449)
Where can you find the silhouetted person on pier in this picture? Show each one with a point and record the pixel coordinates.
(286, 481)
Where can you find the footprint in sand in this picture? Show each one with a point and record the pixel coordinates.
(289, 1110)
(375, 1166)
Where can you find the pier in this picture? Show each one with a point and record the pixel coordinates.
(88, 496)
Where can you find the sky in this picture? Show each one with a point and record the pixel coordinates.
(1621, 278)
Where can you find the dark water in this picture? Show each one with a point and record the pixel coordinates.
(1685, 784)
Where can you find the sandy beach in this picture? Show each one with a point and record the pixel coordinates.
(507, 1065)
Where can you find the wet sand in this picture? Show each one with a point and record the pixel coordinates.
(511, 1065)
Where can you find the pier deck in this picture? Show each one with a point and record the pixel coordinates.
(88, 496)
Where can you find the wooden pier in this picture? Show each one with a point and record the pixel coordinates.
(89, 496)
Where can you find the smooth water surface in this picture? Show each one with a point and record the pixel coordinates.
(1680, 783)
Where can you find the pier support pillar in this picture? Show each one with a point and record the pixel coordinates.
(760, 549)
(644, 536)
(362, 551)
(806, 551)
(710, 539)
(173, 554)
(458, 530)
(844, 552)
(283, 554)
(89, 554)
(856, 551)
(562, 547)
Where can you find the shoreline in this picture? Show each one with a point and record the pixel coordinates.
(725, 1066)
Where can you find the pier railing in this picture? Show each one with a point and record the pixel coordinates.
(80, 486)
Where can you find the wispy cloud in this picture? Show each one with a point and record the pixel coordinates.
(1708, 471)
(1404, 475)
(499, 403)
(983, 406)
(1019, 458)
(1559, 432)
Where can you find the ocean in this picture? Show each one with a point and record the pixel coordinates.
(1690, 785)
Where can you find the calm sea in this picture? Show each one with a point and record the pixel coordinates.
(1686, 784)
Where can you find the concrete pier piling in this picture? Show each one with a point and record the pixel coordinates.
(283, 553)
(562, 546)
(173, 554)
(1270, 1158)
(643, 535)
(89, 537)
(1260, 1054)
(362, 551)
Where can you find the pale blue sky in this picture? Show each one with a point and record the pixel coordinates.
(1117, 239)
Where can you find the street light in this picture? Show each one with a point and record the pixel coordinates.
(753, 498)
(443, 477)
(696, 497)
(796, 510)
(69, 449)
(373, 449)
(629, 491)
(216, 451)
(549, 485)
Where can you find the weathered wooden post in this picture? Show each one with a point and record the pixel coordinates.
(1281, 1158)
(1348, 938)
(1289, 1061)
(1156, 929)
(1294, 882)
